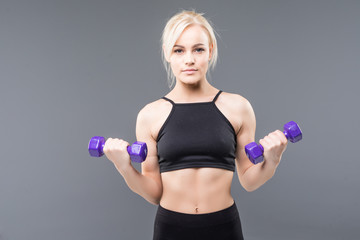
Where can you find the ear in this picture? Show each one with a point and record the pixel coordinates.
(165, 54)
(211, 51)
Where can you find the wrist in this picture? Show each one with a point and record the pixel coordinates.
(269, 165)
(123, 168)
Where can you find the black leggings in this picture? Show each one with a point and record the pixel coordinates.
(224, 224)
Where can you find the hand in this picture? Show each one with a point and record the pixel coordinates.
(274, 145)
(116, 151)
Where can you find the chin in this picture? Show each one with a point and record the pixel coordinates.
(190, 83)
(190, 80)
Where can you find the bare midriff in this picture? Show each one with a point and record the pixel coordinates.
(197, 190)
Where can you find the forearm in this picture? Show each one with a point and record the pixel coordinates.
(144, 186)
(255, 176)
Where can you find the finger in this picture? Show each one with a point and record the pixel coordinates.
(107, 144)
(265, 142)
(274, 139)
(123, 144)
(113, 143)
(280, 136)
(270, 141)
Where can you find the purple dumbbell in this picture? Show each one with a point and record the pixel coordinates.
(137, 151)
(255, 152)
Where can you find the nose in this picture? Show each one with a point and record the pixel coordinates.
(189, 59)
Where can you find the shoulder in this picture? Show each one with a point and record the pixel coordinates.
(236, 109)
(153, 109)
(153, 113)
(244, 113)
(235, 102)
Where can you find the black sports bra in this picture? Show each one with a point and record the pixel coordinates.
(196, 135)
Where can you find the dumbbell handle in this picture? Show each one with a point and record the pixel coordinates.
(255, 152)
(137, 151)
(262, 148)
(129, 149)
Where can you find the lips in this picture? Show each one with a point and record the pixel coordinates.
(189, 70)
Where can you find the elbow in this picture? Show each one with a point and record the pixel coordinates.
(248, 186)
(154, 202)
(250, 189)
(155, 197)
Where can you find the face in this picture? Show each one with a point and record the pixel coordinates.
(190, 55)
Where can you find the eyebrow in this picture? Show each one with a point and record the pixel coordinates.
(196, 45)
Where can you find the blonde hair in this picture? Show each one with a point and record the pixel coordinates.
(174, 28)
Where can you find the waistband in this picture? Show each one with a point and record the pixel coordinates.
(197, 220)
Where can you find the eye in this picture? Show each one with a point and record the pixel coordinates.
(178, 50)
(199, 50)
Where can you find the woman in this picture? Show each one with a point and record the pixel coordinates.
(195, 136)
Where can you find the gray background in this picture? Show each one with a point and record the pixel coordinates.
(70, 70)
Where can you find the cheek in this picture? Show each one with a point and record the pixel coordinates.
(204, 63)
(174, 63)
(174, 66)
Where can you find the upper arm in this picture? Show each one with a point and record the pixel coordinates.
(245, 135)
(144, 125)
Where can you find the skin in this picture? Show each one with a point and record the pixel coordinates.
(195, 190)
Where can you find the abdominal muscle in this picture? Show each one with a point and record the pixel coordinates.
(197, 190)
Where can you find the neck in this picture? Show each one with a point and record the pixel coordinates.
(192, 92)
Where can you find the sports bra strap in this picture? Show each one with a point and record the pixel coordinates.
(169, 100)
(173, 103)
(217, 95)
